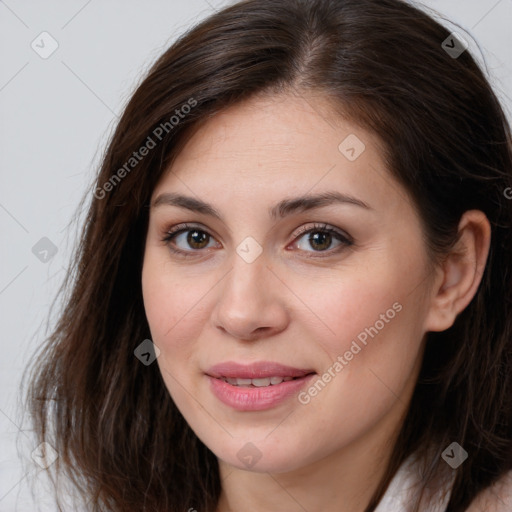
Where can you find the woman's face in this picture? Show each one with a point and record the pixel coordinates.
(261, 291)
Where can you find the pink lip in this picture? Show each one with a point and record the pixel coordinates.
(258, 370)
(256, 398)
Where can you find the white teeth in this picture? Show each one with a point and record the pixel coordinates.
(243, 382)
(259, 383)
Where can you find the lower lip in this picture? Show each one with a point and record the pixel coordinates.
(254, 398)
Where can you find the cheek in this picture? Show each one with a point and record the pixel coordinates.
(171, 310)
(369, 360)
(373, 320)
(168, 302)
(350, 309)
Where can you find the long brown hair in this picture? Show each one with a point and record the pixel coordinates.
(119, 436)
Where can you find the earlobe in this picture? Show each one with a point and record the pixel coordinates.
(461, 272)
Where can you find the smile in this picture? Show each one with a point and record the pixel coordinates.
(257, 383)
(258, 386)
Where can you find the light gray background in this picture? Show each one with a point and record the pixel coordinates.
(55, 118)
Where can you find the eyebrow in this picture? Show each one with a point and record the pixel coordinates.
(280, 210)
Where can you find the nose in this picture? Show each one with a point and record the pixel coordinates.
(251, 301)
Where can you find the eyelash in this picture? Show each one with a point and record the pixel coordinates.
(180, 228)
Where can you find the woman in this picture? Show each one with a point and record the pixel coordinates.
(294, 287)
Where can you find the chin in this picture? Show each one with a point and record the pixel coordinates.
(261, 457)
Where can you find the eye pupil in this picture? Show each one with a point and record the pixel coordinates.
(196, 237)
(324, 239)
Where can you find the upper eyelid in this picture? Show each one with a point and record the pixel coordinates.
(319, 226)
(185, 226)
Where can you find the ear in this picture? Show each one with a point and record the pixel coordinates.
(460, 273)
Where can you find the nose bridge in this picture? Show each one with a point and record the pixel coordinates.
(248, 300)
(243, 288)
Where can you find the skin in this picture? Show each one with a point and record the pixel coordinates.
(496, 498)
(296, 303)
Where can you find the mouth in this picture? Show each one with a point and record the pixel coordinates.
(257, 386)
(257, 383)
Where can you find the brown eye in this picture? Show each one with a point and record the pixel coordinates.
(196, 239)
(187, 240)
(321, 239)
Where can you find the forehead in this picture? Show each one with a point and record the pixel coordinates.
(270, 146)
(280, 127)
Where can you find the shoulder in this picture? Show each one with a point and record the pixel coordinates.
(496, 498)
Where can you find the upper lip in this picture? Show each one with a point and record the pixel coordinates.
(257, 370)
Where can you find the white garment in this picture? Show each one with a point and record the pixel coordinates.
(398, 496)
(398, 493)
